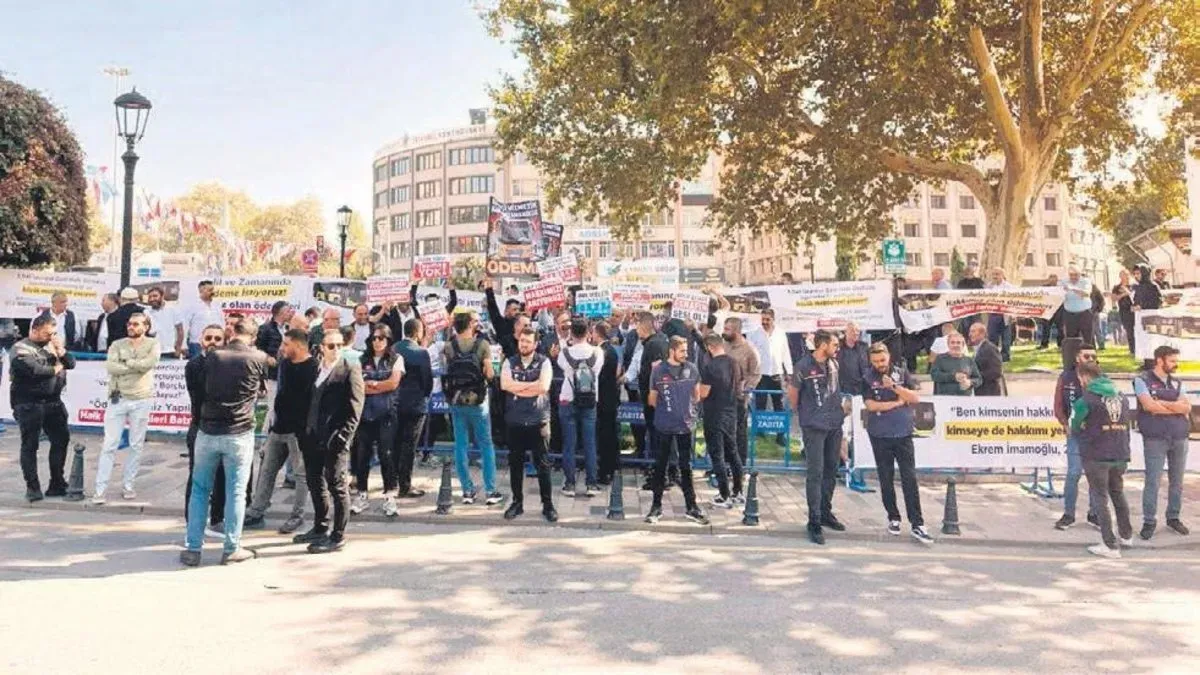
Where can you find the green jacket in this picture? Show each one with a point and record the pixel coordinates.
(944, 370)
(131, 368)
(1102, 387)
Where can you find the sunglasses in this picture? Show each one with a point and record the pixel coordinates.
(377, 338)
(329, 345)
(211, 338)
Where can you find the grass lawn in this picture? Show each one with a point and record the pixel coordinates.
(1030, 359)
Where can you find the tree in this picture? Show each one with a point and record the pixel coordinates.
(957, 265)
(43, 193)
(847, 259)
(467, 273)
(828, 113)
(359, 258)
(215, 205)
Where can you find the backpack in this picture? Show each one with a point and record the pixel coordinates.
(463, 382)
(583, 382)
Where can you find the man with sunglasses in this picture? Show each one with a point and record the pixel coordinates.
(1067, 391)
(130, 365)
(211, 338)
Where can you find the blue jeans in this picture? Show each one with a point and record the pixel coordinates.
(1071, 484)
(576, 422)
(472, 420)
(1173, 452)
(235, 452)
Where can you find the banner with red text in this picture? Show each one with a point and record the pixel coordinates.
(921, 309)
(545, 295)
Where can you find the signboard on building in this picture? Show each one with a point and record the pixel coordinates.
(702, 275)
(894, 261)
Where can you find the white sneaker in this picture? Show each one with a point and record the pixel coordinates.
(389, 506)
(722, 502)
(360, 503)
(213, 533)
(921, 535)
(1104, 551)
(1127, 543)
(128, 493)
(99, 500)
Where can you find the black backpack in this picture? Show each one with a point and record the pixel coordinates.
(463, 382)
(583, 382)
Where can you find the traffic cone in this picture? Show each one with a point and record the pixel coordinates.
(950, 517)
(445, 497)
(750, 515)
(616, 500)
(75, 485)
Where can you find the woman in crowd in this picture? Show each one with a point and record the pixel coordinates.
(382, 371)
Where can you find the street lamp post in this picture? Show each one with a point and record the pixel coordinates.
(343, 222)
(133, 111)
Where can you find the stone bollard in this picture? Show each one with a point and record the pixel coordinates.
(445, 497)
(750, 515)
(75, 485)
(950, 516)
(616, 500)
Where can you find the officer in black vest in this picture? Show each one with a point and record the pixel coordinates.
(525, 378)
(817, 399)
(1101, 420)
(1163, 418)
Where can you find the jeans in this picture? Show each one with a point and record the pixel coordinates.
(822, 452)
(1071, 484)
(578, 423)
(235, 452)
(719, 439)
(32, 419)
(278, 450)
(1106, 480)
(377, 437)
(889, 454)
(217, 499)
(473, 420)
(1172, 451)
(409, 427)
(1101, 330)
(326, 471)
(665, 443)
(137, 414)
(532, 441)
(608, 437)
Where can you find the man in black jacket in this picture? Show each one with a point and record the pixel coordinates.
(502, 322)
(333, 417)
(211, 339)
(39, 373)
(268, 341)
(607, 400)
(989, 362)
(654, 349)
(95, 338)
(412, 405)
(118, 321)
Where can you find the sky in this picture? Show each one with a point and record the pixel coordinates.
(280, 99)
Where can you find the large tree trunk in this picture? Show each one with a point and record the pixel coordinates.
(1009, 218)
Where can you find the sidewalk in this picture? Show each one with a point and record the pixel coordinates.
(990, 514)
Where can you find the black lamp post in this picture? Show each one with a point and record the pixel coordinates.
(343, 222)
(133, 111)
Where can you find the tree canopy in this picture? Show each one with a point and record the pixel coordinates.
(826, 114)
(43, 202)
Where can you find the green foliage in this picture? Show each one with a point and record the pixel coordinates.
(43, 193)
(467, 273)
(847, 259)
(957, 265)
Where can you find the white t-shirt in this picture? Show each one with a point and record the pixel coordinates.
(200, 316)
(361, 333)
(579, 352)
(162, 324)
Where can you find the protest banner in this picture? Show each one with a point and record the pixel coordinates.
(251, 295)
(515, 238)
(433, 313)
(545, 295)
(26, 293)
(596, 303)
(431, 268)
(388, 288)
(661, 272)
(921, 309)
(551, 240)
(690, 305)
(1176, 323)
(831, 305)
(565, 268)
(634, 297)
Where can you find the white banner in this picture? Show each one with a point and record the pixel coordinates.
(1176, 323)
(921, 309)
(564, 268)
(26, 293)
(690, 305)
(831, 305)
(662, 272)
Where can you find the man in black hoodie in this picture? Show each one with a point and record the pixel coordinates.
(1101, 418)
(39, 374)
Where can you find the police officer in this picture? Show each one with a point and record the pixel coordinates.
(1100, 418)
(1163, 419)
(1066, 392)
(889, 396)
(817, 399)
(525, 379)
(39, 373)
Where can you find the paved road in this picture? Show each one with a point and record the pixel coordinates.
(97, 593)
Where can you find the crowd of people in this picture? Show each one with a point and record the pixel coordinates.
(342, 398)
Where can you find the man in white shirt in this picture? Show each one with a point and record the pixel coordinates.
(66, 327)
(362, 327)
(580, 363)
(204, 313)
(775, 360)
(999, 326)
(939, 280)
(166, 324)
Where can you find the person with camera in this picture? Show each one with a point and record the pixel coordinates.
(130, 364)
(39, 373)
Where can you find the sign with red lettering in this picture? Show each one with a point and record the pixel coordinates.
(431, 267)
(388, 288)
(433, 313)
(564, 267)
(545, 295)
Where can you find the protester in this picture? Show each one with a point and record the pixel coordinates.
(1101, 419)
(66, 326)
(580, 363)
(969, 281)
(1077, 306)
(775, 363)
(1055, 322)
(96, 337)
(352, 354)
(1160, 278)
(955, 373)
(331, 322)
(468, 369)
(740, 350)
(394, 314)
(525, 380)
(988, 362)
(382, 371)
(720, 388)
(211, 339)
(1099, 318)
(1123, 297)
(552, 343)
(654, 349)
(234, 379)
(285, 435)
(608, 450)
(130, 364)
(202, 314)
(816, 396)
(269, 340)
(673, 388)
(1067, 390)
(39, 366)
(853, 362)
(362, 327)
(412, 401)
(1146, 295)
(631, 363)
(166, 325)
(118, 321)
(1163, 418)
(889, 396)
(503, 322)
(937, 278)
(941, 343)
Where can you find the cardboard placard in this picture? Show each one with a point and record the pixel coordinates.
(690, 305)
(389, 288)
(594, 303)
(431, 267)
(433, 313)
(545, 295)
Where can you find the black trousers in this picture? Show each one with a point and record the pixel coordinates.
(375, 437)
(529, 441)
(822, 453)
(666, 443)
(639, 430)
(556, 440)
(326, 474)
(742, 434)
(890, 453)
(608, 452)
(1081, 325)
(1127, 323)
(1106, 482)
(32, 419)
(651, 435)
(719, 430)
(769, 382)
(409, 427)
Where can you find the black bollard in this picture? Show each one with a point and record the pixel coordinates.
(445, 497)
(750, 515)
(616, 501)
(950, 517)
(75, 486)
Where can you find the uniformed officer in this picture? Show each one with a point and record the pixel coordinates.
(818, 402)
(39, 373)
(1164, 413)
(525, 379)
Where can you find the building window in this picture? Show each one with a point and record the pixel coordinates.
(468, 214)
(429, 160)
(468, 244)
(398, 195)
(519, 159)
(472, 185)
(401, 221)
(429, 246)
(429, 218)
(913, 201)
(429, 188)
(969, 231)
(966, 202)
(605, 250)
(696, 249)
(1050, 203)
(1054, 259)
(625, 250)
(912, 229)
(399, 249)
(525, 188)
(400, 166)
(381, 199)
(912, 258)
(940, 230)
(381, 172)
(941, 259)
(658, 249)
(1052, 231)
(973, 259)
(1029, 259)
(937, 201)
(481, 154)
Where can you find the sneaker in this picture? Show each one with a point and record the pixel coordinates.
(1104, 551)
(215, 531)
(654, 515)
(310, 536)
(289, 483)
(389, 506)
(57, 490)
(359, 503)
(919, 533)
(291, 525)
(738, 499)
(1093, 520)
(514, 509)
(327, 545)
(1177, 525)
(894, 527)
(1147, 531)
(1127, 543)
(815, 535)
(695, 515)
(494, 498)
(550, 514)
(128, 493)
(720, 502)
(254, 523)
(240, 555)
(469, 497)
(411, 493)
(190, 558)
(592, 491)
(1065, 522)
(568, 489)
(36, 495)
(97, 500)
(833, 523)
(648, 486)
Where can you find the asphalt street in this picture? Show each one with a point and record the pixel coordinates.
(101, 593)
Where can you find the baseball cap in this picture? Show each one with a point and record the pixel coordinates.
(129, 293)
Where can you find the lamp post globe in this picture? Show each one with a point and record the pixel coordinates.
(133, 112)
(343, 223)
